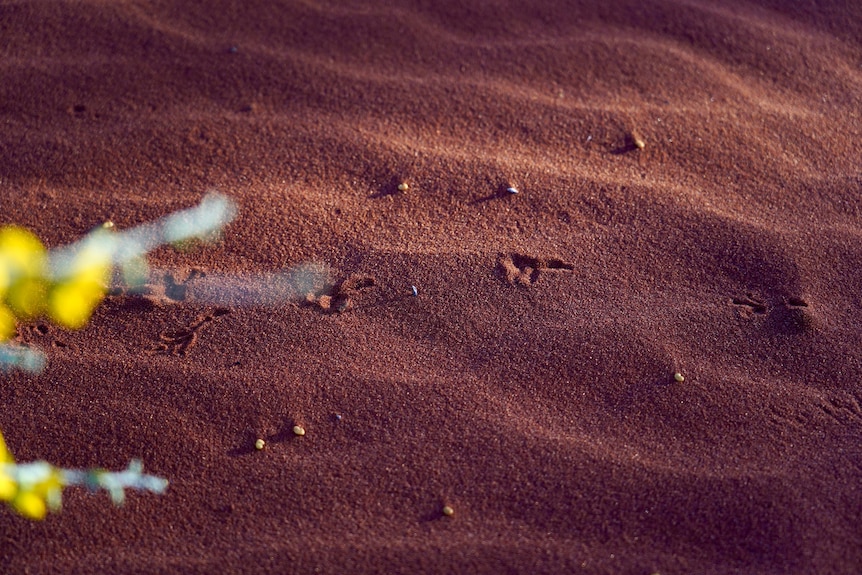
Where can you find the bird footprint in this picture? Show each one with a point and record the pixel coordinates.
(179, 342)
(525, 270)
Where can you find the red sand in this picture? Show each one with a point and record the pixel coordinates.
(529, 386)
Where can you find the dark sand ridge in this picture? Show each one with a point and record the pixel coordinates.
(530, 384)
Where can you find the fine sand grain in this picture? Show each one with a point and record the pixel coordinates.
(689, 202)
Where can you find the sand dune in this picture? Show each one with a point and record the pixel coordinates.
(688, 202)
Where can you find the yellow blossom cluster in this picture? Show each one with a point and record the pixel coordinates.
(29, 288)
(31, 488)
(65, 285)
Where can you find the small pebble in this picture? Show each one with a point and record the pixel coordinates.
(337, 417)
(403, 187)
(678, 377)
(259, 444)
(233, 50)
(298, 430)
(414, 291)
(512, 190)
(448, 511)
(108, 225)
(639, 144)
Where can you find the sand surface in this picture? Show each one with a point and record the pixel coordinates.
(530, 384)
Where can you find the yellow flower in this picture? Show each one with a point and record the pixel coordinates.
(22, 271)
(30, 505)
(32, 488)
(22, 253)
(5, 275)
(7, 323)
(72, 303)
(27, 297)
(35, 498)
(8, 487)
(5, 454)
(72, 299)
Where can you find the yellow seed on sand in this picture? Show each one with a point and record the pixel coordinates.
(259, 444)
(403, 187)
(448, 511)
(639, 144)
(298, 430)
(108, 225)
(679, 377)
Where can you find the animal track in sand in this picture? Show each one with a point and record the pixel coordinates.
(339, 298)
(180, 341)
(788, 315)
(36, 334)
(168, 289)
(750, 304)
(524, 270)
